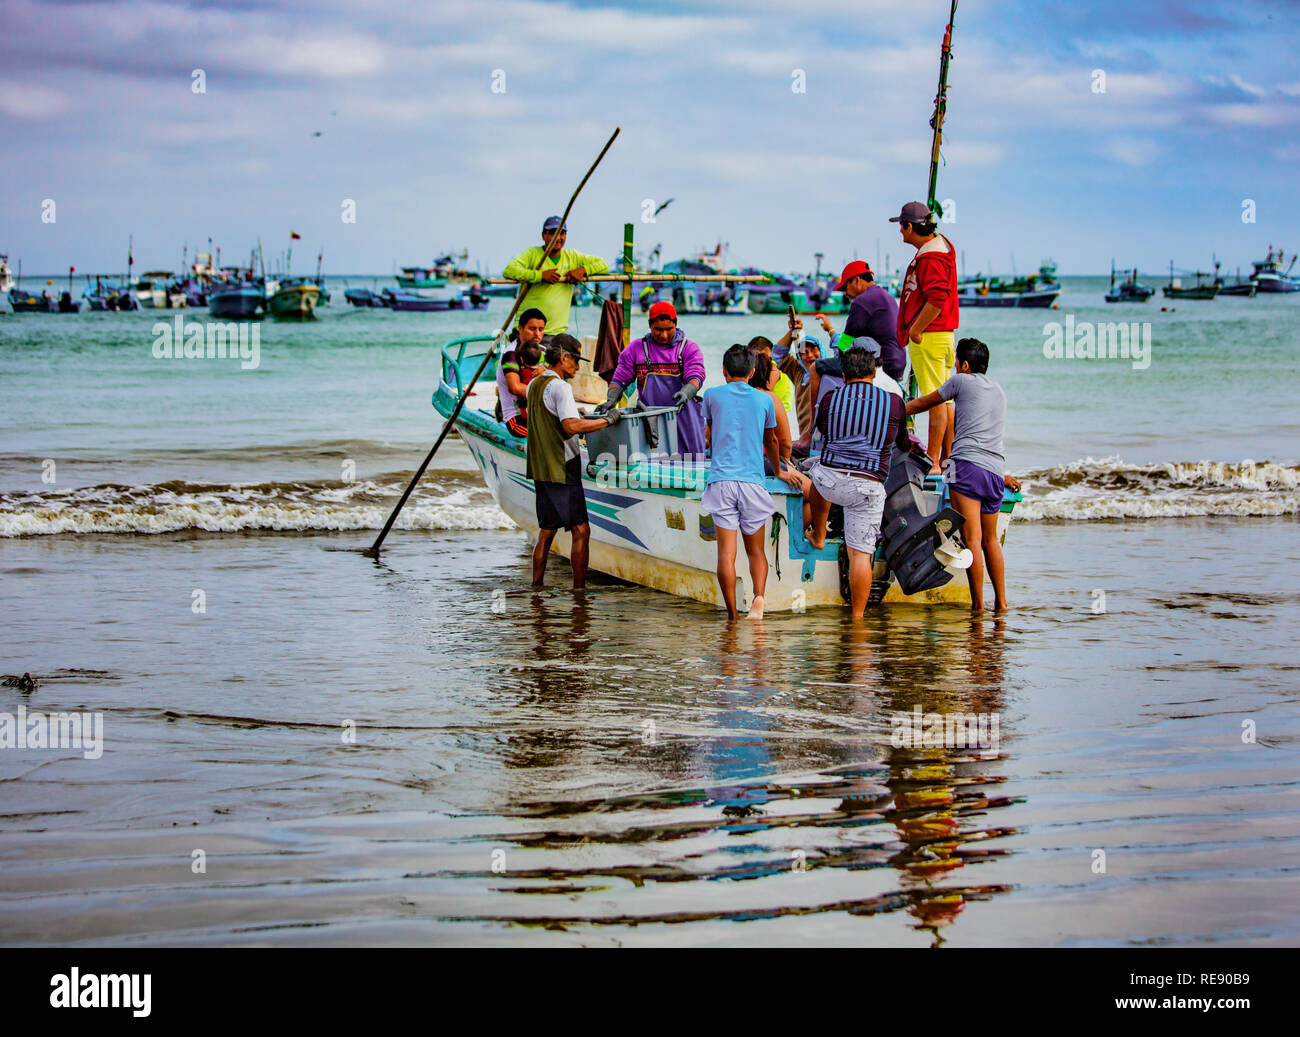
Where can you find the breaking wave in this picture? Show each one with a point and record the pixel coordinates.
(1088, 489)
(449, 500)
(1110, 488)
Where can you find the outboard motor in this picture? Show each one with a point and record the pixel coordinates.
(916, 529)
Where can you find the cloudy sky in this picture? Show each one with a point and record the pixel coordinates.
(98, 112)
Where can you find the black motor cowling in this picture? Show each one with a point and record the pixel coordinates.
(915, 523)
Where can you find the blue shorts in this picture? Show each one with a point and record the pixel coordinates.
(970, 480)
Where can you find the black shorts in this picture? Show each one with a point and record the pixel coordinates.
(562, 505)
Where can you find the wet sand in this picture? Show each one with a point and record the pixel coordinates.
(625, 768)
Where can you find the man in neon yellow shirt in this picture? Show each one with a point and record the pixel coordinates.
(555, 277)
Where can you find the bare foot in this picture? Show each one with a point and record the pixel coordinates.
(756, 608)
(936, 470)
(811, 537)
(999, 606)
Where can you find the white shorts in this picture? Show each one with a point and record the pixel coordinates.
(863, 501)
(738, 505)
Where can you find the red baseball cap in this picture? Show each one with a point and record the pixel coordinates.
(852, 270)
(662, 309)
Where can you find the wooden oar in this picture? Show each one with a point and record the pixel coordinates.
(373, 550)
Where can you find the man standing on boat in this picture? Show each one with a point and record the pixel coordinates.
(668, 369)
(872, 313)
(552, 270)
(928, 315)
(554, 460)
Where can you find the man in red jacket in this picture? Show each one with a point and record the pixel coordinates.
(928, 316)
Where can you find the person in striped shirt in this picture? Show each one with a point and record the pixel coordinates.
(860, 423)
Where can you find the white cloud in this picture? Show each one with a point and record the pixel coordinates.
(32, 101)
(1132, 151)
(1254, 114)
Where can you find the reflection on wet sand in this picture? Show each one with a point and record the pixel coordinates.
(873, 828)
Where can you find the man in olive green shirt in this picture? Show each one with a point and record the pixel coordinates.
(554, 277)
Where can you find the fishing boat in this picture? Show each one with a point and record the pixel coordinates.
(400, 299)
(154, 291)
(25, 302)
(6, 284)
(1241, 286)
(1127, 290)
(1205, 287)
(433, 303)
(295, 299)
(421, 280)
(1269, 276)
(1034, 291)
(104, 295)
(238, 297)
(648, 525)
(363, 297)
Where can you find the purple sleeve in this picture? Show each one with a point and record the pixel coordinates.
(625, 372)
(692, 361)
(950, 388)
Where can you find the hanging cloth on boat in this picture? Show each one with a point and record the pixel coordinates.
(609, 339)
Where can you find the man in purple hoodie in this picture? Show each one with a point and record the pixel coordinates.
(668, 369)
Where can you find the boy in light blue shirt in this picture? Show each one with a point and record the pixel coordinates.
(740, 428)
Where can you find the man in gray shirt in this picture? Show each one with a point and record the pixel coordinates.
(977, 478)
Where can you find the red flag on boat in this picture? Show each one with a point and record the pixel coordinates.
(294, 236)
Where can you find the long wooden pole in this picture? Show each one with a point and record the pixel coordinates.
(940, 110)
(373, 550)
(643, 276)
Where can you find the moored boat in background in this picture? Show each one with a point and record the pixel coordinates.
(1127, 290)
(237, 295)
(1205, 287)
(1034, 291)
(1268, 275)
(294, 299)
(363, 297)
(6, 284)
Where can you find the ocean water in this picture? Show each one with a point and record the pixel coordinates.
(371, 752)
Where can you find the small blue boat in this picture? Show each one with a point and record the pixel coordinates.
(105, 296)
(26, 302)
(242, 301)
(363, 297)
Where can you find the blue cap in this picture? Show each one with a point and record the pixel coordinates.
(868, 343)
(552, 223)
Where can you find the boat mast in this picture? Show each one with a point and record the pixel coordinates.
(940, 110)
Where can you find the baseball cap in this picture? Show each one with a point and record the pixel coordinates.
(863, 342)
(852, 270)
(662, 308)
(563, 343)
(913, 212)
(552, 223)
